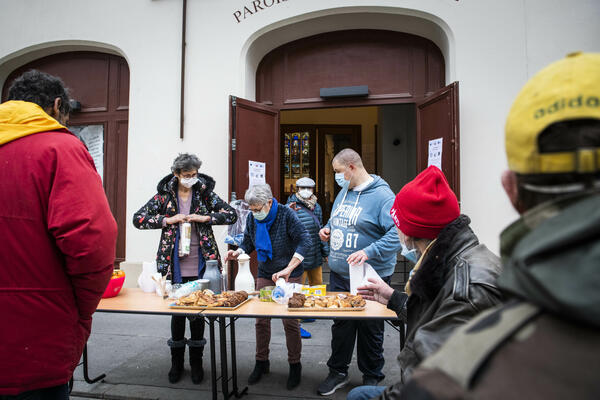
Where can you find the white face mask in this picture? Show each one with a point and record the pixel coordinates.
(188, 182)
(305, 193)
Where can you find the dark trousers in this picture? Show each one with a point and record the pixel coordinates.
(368, 336)
(60, 392)
(178, 323)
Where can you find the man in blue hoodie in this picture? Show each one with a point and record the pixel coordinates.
(360, 229)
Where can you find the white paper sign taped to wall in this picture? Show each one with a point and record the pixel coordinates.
(93, 137)
(256, 173)
(435, 153)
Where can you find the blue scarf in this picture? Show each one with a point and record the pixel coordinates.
(264, 250)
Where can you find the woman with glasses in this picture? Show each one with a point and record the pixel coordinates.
(281, 243)
(185, 196)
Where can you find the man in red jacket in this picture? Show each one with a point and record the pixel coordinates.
(58, 241)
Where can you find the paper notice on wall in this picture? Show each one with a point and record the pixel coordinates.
(93, 138)
(256, 173)
(435, 153)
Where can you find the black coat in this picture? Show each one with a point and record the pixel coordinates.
(164, 204)
(456, 281)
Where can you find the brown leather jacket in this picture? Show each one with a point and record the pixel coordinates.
(455, 282)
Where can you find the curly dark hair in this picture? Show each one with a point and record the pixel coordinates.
(40, 88)
(186, 162)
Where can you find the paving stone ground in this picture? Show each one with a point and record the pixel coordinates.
(131, 350)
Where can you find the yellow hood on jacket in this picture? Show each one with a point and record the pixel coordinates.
(22, 118)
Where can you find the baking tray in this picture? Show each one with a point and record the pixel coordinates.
(326, 309)
(174, 305)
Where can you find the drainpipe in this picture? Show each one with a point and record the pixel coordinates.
(182, 101)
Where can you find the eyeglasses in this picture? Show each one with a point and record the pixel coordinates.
(188, 175)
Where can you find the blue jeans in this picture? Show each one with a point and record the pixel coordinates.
(60, 392)
(368, 336)
(365, 392)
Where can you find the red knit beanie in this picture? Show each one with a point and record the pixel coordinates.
(425, 205)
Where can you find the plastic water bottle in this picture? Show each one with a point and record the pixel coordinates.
(279, 294)
(189, 287)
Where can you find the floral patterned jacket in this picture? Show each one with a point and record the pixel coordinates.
(164, 204)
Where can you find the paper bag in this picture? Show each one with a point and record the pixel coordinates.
(359, 276)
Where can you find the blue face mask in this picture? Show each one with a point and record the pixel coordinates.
(410, 254)
(340, 179)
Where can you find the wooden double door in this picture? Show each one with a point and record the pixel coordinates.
(255, 135)
(396, 67)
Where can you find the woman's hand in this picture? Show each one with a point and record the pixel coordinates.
(197, 218)
(284, 273)
(377, 290)
(232, 255)
(175, 219)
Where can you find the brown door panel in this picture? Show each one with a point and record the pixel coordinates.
(254, 128)
(437, 117)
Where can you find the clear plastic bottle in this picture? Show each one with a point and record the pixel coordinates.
(280, 294)
(190, 287)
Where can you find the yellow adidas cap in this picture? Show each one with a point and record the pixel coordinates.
(565, 90)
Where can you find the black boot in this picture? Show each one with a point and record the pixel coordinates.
(196, 350)
(177, 352)
(261, 367)
(294, 376)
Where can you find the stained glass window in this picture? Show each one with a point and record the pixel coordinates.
(296, 158)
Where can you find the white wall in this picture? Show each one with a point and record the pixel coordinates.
(490, 46)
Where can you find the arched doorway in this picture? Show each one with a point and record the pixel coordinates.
(99, 83)
(398, 77)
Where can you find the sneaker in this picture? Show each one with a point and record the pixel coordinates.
(304, 334)
(333, 382)
(371, 380)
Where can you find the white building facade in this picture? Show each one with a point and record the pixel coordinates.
(490, 47)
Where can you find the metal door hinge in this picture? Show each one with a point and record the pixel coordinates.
(233, 145)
